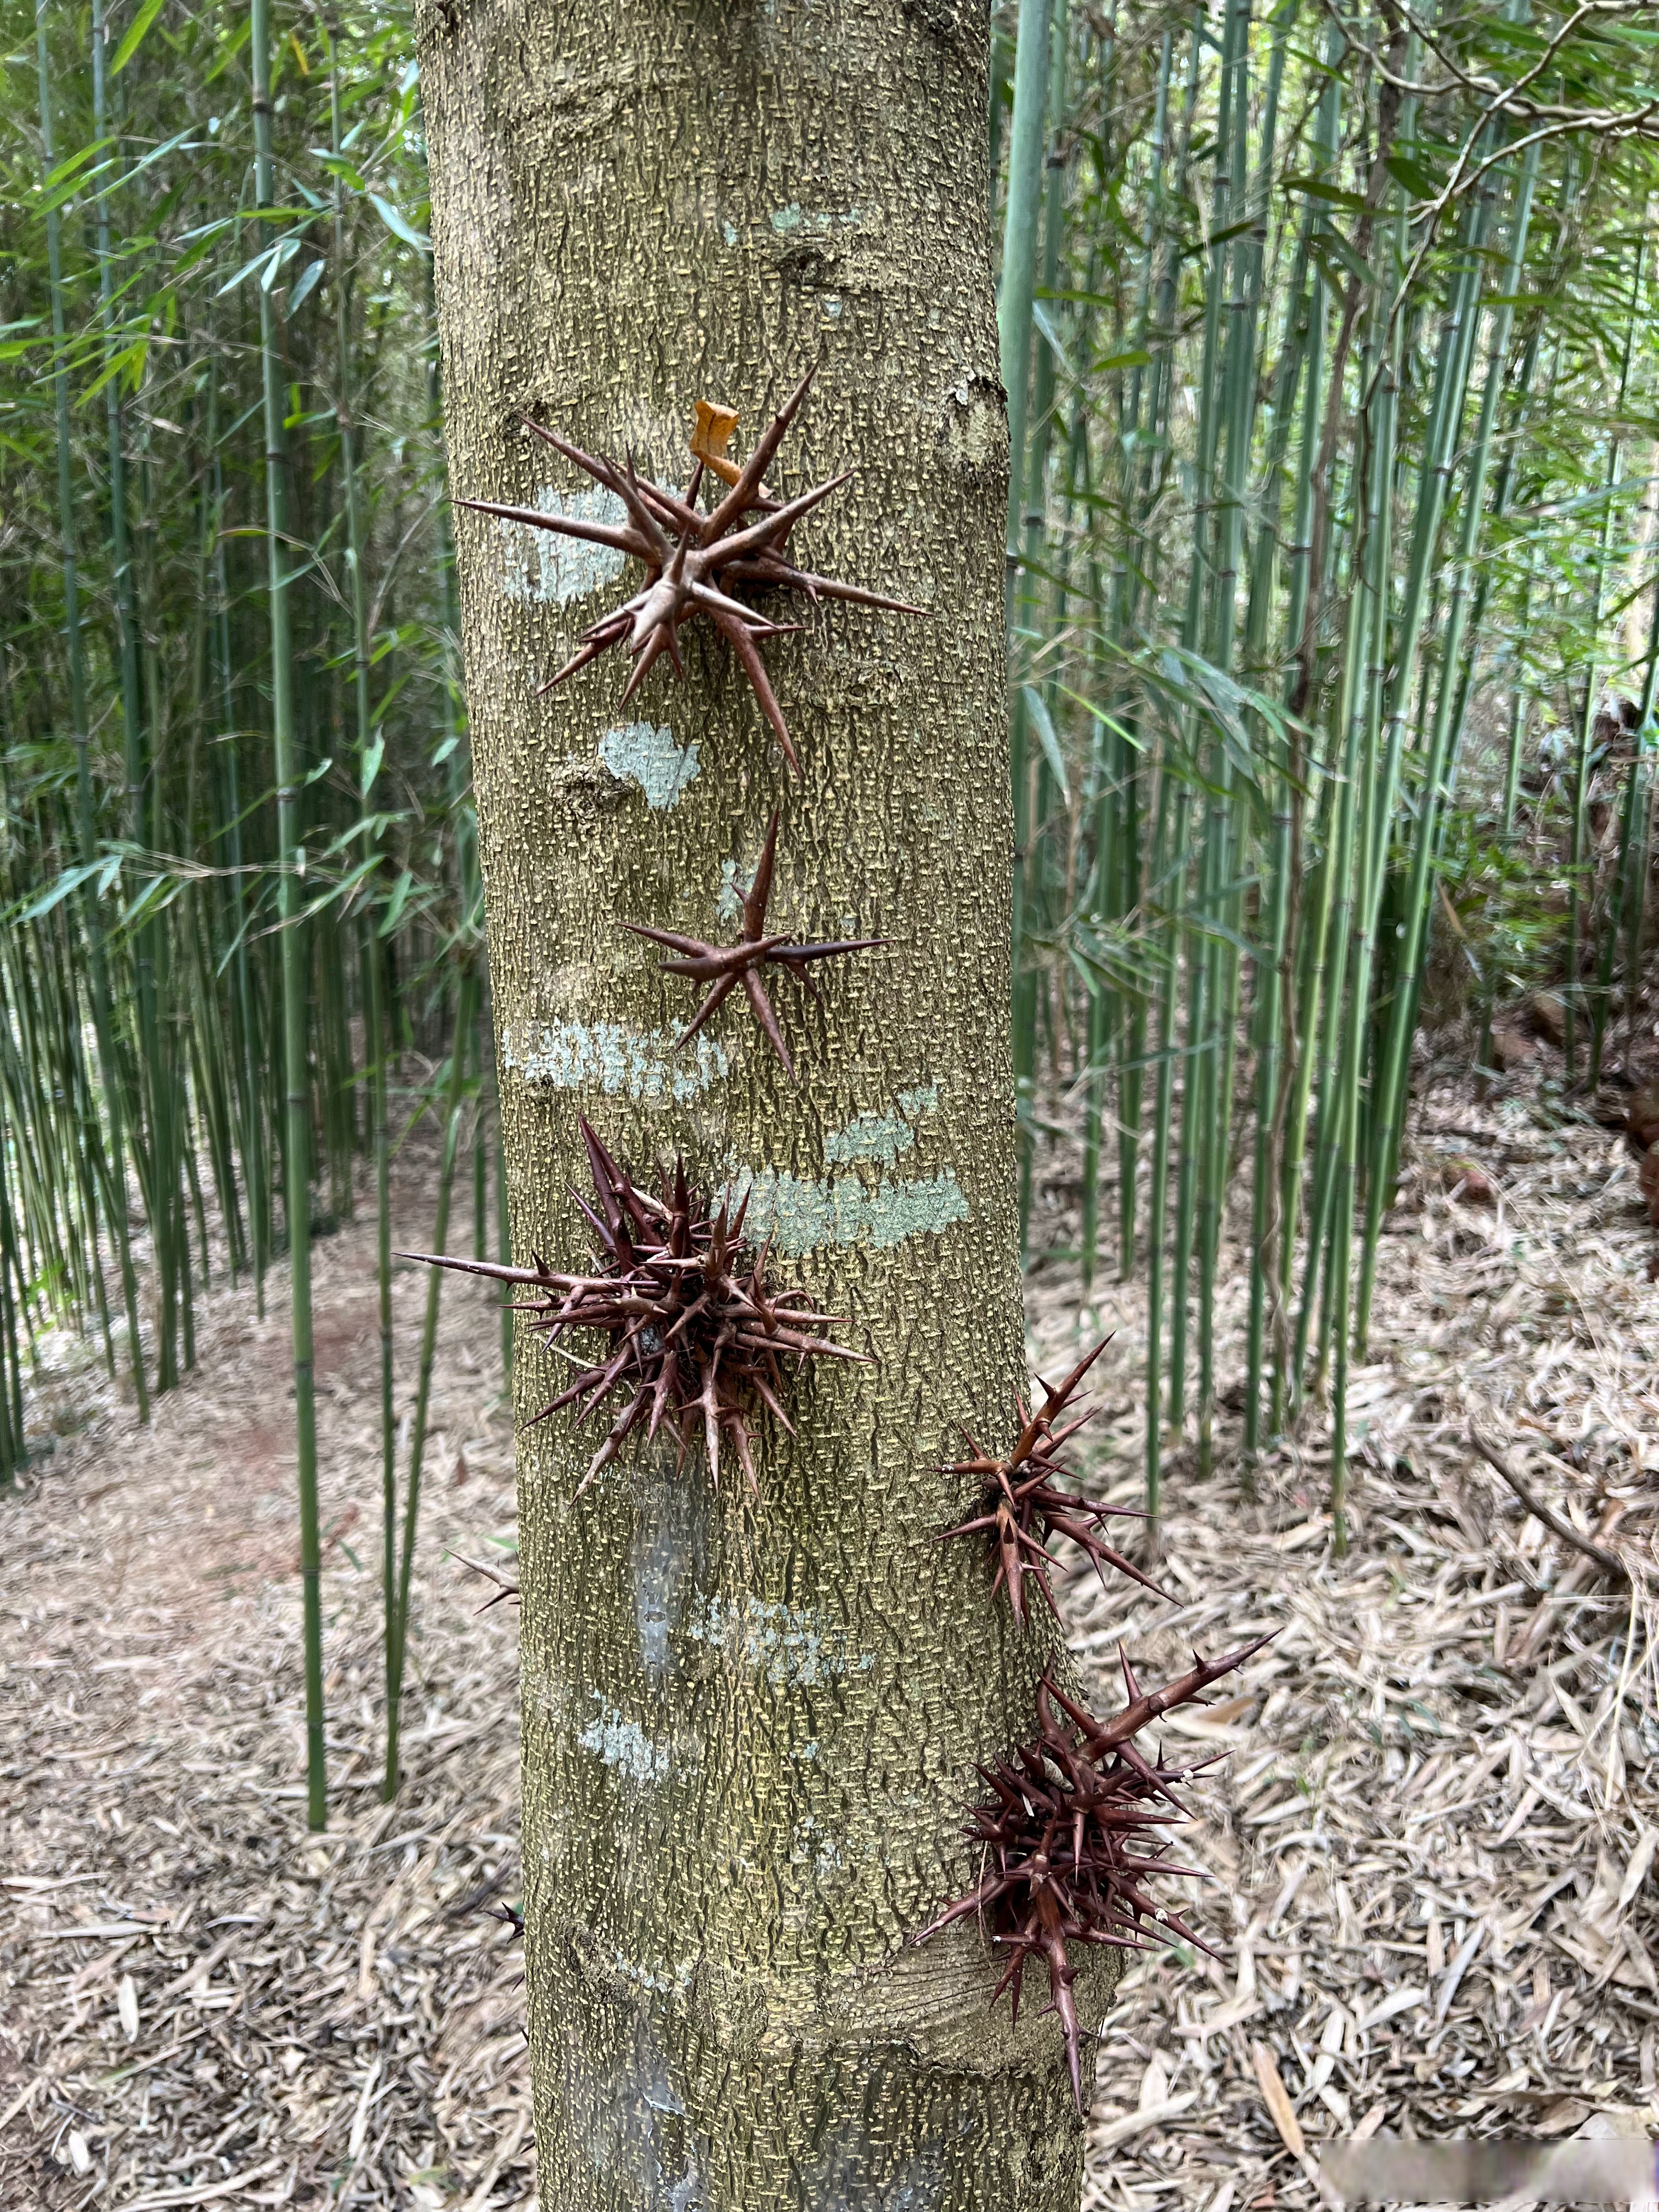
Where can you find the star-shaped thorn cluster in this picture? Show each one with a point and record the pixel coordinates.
(697, 1331)
(724, 968)
(695, 558)
(1066, 1844)
(1024, 1501)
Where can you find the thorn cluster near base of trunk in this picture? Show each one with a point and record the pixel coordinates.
(698, 1331)
(1067, 1841)
(695, 558)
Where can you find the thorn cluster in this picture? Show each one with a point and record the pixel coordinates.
(693, 557)
(1025, 1501)
(1066, 1840)
(723, 967)
(697, 1332)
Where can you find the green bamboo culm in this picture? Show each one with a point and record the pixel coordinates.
(1015, 302)
(1224, 364)
(110, 1162)
(290, 860)
(371, 963)
(466, 1001)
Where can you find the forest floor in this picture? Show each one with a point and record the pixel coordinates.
(1432, 1835)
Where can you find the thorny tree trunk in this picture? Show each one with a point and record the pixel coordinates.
(750, 1725)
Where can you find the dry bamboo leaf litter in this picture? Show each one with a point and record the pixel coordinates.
(1431, 1843)
(219, 2009)
(1435, 1833)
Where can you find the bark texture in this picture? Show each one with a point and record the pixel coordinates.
(750, 1725)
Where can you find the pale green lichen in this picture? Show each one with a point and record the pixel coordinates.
(540, 565)
(870, 1137)
(882, 1136)
(637, 752)
(802, 1216)
(784, 1643)
(795, 218)
(640, 1064)
(624, 1744)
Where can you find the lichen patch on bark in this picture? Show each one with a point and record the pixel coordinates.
(646, 754)
(624, 1744)
(801, 1214)
(537, 566)
(609, 1057)
(882, 1136)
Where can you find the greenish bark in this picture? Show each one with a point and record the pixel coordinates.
(749, 1723)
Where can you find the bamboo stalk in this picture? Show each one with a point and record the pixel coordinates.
(296, 1076)
(92, 920)
(398, 1639)
(1207, 587)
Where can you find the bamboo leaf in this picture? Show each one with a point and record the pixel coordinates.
(1037, 708)
(120, 179)
(399, 225)
(1044, 322)
(1415, 178)
(1315, 188)
(134, 37)
(302, 291)
(284, 250)
(396, 903)
(247, 269)
(1135, 357)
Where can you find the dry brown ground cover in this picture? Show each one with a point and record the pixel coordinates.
(1431, 1837)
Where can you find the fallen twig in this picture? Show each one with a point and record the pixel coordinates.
(1609, 1562)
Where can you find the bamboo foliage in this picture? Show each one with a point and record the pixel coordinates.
(1283, 578)
(222, 661)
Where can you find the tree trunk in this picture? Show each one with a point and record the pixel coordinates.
(750, 1722)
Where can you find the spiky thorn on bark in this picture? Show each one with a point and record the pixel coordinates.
(724, 968)
(1065, 1847)
(504, 1588)
(692, 557)
(1024, 1502)
(697, 1329)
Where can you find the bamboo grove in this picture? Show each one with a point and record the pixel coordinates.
(1324, 329)
(1330, 558)
(241, 956)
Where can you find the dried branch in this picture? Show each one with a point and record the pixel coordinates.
(1609, 1562)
